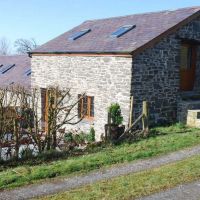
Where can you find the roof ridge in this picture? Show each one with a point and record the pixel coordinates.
(152, 12)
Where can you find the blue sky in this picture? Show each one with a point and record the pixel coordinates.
(46, 19)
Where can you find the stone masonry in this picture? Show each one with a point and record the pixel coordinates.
(152, 75)
(193, 118)
(106, 78)
(155, 76)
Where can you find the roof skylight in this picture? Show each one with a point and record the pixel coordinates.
(79, 34)
(28, 72)
(6, 68)
(122, 30)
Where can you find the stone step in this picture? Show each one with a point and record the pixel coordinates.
(184, 107)
(193, 118)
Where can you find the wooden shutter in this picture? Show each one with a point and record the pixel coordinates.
(86, 107)
(92, 107)
(79, 105)
(43, 105)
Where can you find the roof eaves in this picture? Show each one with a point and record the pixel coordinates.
(84, 52)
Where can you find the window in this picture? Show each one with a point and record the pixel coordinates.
(6, 68)
(86, 107)
(188, 60)
(187, 53)
(122, 30)
(28, 72)
(79, 34)
(11, 83)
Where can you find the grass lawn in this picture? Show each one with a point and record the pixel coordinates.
(161, 141)
(136, 185)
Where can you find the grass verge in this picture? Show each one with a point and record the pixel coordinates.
(162, 141)
(136, 185)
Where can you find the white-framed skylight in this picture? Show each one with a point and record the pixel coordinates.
(11, 83)
(122, 30)
(6, 68)
(79, 34)
(28, 72)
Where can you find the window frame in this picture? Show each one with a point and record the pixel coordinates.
(79, 34)
(6, 68)
(122, 30)
(89, 107)
(189, 58)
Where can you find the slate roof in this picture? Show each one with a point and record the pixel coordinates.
(148, 27)
(15, 75)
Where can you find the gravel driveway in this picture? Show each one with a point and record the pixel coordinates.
(55, 186)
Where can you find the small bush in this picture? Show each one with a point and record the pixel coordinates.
(90, 137)
(68, 137)
(115, 112)
(79, 138)
(26, 154)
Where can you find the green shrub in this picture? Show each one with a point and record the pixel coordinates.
(26, 154)
(115, 112)
(68, 137)
(90, 137)
(79, 138)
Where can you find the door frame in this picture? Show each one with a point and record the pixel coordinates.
(187, 75)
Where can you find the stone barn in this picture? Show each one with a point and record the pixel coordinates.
(151, 56)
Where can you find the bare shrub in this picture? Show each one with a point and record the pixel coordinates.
(21, 119)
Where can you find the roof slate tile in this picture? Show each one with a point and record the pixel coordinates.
(16, 74)
(148, 27)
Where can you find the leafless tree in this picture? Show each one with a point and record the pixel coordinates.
(60, 113)
(25, 45)
(4, 46)
(20, 116)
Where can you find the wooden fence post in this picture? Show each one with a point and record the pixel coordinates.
(109, 125)
(16, 134)
(145, 118)
(131, 112)
(108, 128)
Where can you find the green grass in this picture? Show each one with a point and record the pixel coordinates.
(162, 141)
(136, 185)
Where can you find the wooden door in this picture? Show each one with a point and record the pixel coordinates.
(50, 105)
(44, 110)
(188, 66)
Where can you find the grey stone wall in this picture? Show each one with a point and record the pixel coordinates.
(108, 79)
(152, 75)
(197, 78)
(155, 75)
(192, 31)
